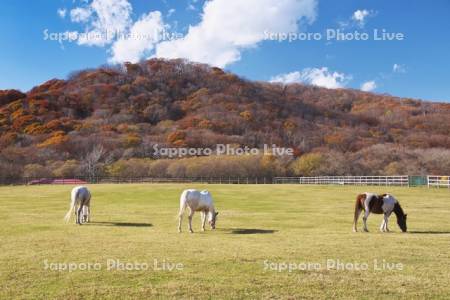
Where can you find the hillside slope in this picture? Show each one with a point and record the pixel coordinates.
(179, 104)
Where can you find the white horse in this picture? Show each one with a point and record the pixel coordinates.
(81, 204)
(379, 204)
(197, 201)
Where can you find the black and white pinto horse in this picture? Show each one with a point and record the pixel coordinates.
(81, 204)
(194, 200)
(379, 204)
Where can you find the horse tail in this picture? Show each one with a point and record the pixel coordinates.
(358, 208)
(73, 202)
(183, 200)
(69, 213)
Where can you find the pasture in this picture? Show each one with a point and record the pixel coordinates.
(259, 229)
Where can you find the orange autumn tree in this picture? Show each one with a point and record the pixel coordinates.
(56, 139)
(177, 138)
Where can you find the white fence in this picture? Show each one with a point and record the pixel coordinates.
(438, 181)
(100, 179)
(346, 180)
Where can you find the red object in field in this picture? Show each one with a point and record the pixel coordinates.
(56, 181)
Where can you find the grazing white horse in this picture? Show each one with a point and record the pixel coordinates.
(197, 201)
(379, 204)
(81, 204)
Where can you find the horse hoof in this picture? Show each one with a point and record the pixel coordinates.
(191, 231)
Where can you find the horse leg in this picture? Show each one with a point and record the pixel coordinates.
(79, 214)
(191, 214)
(87, 210)
(83, 217)
(383, 224)
(83, 214)
(386, 220)
(203, 215)
(366, 215)
(180, 216)
(180, 219)
(81, 211)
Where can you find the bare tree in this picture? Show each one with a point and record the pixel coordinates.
(92, 163)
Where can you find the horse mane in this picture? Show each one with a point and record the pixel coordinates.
(398, 210)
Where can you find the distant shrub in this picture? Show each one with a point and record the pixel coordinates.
(132, 168)
(68, 169)
(132, 140)
(308, 165)
(35, 128)
(37, 171)
(176, 137)
(57, 138)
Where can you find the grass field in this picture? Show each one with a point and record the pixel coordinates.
(257, 226)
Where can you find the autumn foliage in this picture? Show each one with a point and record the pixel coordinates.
(175, 103)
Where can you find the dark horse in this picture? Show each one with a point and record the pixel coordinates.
(379, 204)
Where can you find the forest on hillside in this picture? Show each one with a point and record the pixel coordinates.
(106, 121)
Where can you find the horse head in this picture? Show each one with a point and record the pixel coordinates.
(401, 221)
(212, 219)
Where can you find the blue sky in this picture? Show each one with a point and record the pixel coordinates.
(234, 34)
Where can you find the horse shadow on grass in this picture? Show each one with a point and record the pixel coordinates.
(120, 224)
(429, 232)
(249, 231)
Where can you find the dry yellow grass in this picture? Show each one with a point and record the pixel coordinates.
(257, 225)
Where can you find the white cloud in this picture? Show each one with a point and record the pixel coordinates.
(359, 18)
(143, 36)
(368, 86)
(293, 77)
(170, 12)
(80, 15)
(102, 19)
(227, 28)
(109, 23)
(360, 15)
(62, 12)
(396, 68)
(320, 77)
(230, 26)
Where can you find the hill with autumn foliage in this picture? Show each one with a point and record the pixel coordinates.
(105, 122)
